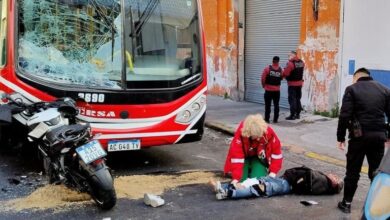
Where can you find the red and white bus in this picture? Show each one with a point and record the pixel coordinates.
(138, 64)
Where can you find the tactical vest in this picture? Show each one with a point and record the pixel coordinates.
(274, 77)
(297, 73)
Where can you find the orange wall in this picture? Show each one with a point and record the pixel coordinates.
(220, 18)
(319, 48)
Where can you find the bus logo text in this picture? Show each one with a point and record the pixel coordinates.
(100, 114)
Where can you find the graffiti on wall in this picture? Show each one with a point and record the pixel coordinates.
(319, 48)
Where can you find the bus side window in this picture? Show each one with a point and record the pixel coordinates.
(3, 32)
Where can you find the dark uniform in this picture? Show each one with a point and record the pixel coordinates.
(365, 102)
(273, 78)
(294, 73)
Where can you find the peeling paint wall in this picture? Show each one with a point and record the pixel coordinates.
(220, 18)
(319, 48)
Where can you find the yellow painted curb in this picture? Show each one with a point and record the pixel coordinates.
(331, 160)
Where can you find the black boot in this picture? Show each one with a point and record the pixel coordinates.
(291, 117)
(297, 116)
(344, 206)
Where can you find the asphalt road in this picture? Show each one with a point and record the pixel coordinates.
(195, 201)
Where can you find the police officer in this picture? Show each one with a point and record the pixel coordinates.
(270, 80)
(294, 75)
(363, 110)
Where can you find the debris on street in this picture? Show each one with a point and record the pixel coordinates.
(308, 202)
(153, 200)
(14, 181)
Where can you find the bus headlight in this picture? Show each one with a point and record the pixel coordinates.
(191, 111)
(196, 106)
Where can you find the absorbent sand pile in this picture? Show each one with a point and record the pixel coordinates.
(49, 196)
(131, 187)
(134, 187)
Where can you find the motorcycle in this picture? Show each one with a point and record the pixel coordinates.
(377, 205)
(69, 153)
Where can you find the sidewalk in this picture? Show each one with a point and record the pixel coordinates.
(312, 135)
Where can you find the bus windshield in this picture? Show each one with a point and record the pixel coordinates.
(110, 44)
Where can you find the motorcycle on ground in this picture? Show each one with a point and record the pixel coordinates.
(66, 147)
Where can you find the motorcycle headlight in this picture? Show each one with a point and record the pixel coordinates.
(54, 121)
(191, 111)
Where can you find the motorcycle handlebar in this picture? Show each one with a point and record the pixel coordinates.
(62, 104)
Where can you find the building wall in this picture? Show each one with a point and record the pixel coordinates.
(319, 48)
(365, 40)
(220, 19)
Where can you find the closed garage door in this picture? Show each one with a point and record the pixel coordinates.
(272, 29)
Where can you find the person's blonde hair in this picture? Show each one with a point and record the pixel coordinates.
(254, 125)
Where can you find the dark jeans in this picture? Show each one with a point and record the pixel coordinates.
(269, 97)
(294, 99)
(358, 148)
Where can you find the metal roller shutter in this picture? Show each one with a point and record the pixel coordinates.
(272, 29)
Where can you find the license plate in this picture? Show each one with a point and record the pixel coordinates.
(91, 151)
(124, 145)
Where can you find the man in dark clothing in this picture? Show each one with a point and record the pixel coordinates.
(294, 75)
(363, 110)
(270, 80)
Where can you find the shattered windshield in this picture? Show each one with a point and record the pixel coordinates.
(79, 42)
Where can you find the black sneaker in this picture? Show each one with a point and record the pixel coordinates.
(222, 194)
(291, 117)
(344, 206)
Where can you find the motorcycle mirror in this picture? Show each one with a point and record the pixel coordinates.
(68, 110)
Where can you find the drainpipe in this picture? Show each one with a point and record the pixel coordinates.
(341, 48)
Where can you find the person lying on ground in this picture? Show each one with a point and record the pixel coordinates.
(252, 187)
(298, 180)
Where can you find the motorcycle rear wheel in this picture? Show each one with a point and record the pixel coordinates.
(101, 188)
(105, 199)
